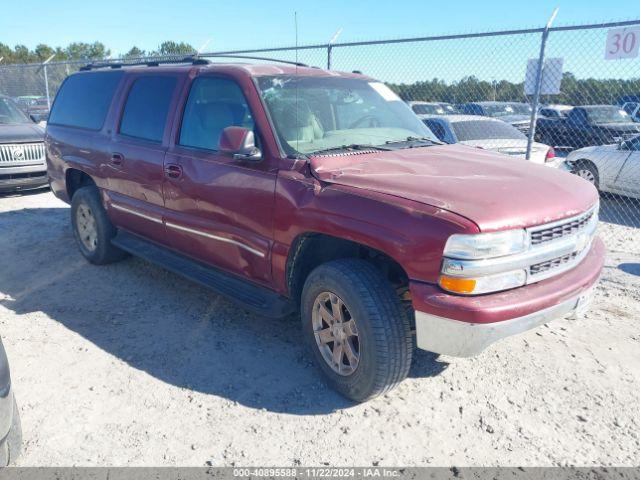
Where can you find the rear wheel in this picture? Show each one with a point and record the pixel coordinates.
(356, 327)
(92, 228)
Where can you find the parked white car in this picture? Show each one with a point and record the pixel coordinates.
(490, 134)
(611, 168)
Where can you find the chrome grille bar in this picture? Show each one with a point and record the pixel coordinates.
(21, 154)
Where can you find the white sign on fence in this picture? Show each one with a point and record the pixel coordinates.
(551, 76)
(622, 43)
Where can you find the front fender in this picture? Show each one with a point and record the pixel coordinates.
(411, 233)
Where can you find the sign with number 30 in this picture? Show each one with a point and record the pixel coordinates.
(622, 43)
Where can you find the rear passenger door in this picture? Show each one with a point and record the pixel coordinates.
(138, 147)
(219, 210)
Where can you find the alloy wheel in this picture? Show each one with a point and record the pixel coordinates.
(336, 333)
(87, 227)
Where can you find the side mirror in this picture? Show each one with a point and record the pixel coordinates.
(239, 142)
(34, 118)
(622, 145)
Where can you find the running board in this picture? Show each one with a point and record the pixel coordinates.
(248, 295)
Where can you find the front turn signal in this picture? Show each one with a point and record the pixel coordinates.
(457, 284)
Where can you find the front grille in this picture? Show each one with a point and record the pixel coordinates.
(560, 230)
(21, 153)
(553, 263)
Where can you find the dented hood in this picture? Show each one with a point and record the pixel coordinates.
(494, 191)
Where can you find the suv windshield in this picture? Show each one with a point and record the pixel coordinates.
(311, 114)
(607, 115)
(10, 114)
(485, 129)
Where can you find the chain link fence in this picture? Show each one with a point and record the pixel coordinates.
(574, 109)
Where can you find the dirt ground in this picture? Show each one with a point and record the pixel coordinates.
(131, 365)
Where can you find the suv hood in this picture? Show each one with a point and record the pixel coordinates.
(21, 133)
(494, 192)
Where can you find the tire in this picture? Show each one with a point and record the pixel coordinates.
(384, 340)
(95, 247)
(588, 171)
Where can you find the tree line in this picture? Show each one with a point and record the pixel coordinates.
(78, 51)
(574, 91)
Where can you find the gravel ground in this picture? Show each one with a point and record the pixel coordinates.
(131, 365)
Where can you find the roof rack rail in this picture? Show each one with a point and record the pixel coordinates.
(250, 57)
(192, 59)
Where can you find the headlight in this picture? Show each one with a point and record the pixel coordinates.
(484, 284)
(486, 245)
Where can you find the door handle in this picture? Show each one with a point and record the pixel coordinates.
(172, 170)
(117, 159)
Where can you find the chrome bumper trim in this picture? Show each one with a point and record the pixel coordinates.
(462, 339)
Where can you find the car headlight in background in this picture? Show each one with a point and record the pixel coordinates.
(486, 245)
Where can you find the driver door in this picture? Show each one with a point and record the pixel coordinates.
(219, 210)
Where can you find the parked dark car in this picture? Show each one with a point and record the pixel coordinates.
(300, 190)
(554, 111)
(517, 114)
(22, 159)
(34, 106)
(10, 427)
(585, 126)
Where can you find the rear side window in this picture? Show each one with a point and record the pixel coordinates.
(83, 100)
(145, 112)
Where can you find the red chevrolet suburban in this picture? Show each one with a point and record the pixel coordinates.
(299, 190)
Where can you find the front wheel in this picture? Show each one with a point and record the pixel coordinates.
(356, 327)
(587, 171)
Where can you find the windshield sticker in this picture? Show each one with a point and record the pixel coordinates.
(385, 92)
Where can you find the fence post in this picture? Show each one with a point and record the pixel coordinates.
(329, 48)
(46, 79)
(538, 84)
(46, 87)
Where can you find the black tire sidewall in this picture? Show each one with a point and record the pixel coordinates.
(365, 382)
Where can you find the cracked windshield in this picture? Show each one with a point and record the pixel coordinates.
(318, 114)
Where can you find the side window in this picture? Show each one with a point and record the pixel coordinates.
(147, 106)
(83, 100)
(213, 105)
(437, 128)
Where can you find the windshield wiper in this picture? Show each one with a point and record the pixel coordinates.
(352, 146)
(414, 139)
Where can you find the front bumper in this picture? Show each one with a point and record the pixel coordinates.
(464, 326)
(23, 177)
(462, 339)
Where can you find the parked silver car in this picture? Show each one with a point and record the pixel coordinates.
(611, 168)
(489, 134)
